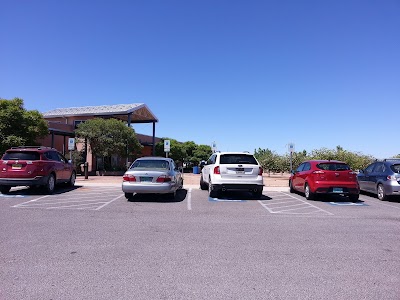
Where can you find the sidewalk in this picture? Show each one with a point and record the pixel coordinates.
(190, 180)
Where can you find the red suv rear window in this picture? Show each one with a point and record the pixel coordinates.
(20, 155)
(333, 167)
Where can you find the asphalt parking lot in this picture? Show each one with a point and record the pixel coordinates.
(89, 242)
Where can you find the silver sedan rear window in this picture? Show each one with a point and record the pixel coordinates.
(150, 164)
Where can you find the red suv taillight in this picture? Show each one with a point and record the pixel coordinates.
(128, 177)
(216, 170)
(163, 178)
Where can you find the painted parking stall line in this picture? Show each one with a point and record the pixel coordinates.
(84, 199)
(225, 200)
(282, 203)
(348, 204)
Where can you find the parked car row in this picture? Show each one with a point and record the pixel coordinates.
(45, 167)
(316, 177)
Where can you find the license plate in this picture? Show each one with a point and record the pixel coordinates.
(147, 179)
(239, 172)
(16, 166)
(337, 190)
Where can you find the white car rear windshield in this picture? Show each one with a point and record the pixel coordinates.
(150, 164)
(237, 159)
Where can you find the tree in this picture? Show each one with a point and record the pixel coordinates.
(202, 152)
(109, 136)
(177, 151)
(19, 126)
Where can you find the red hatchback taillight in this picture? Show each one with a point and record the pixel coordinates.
(216, 170)
(163, 178)
(129, 177)
(260, 171)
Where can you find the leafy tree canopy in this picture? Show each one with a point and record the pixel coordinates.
(108, 136)
(270, 161)
(187, 152)
(18, 126)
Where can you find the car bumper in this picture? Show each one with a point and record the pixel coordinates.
(337, 189)
(392, 189)
(160, 188)
(237, 187)
(38, 180)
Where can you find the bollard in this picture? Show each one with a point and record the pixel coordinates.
(85, 169)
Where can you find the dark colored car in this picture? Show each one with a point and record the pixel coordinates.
(315, 177)
(381, 178)
(35, 166)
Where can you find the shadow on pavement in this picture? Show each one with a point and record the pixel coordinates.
(160, 198)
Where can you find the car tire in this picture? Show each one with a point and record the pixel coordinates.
(129, 196)
(291, 189)
(5, 189)
(50, 185)
(181, 184)
(72, 179)
(354, 197)
(211, 192)
(380, 190)
(307, 192)
(203, 185)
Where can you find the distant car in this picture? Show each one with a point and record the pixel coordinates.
(381, 178)
(232, 171)
(324, 177)
(152, 175)
(35, 166)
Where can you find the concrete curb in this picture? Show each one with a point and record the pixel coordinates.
(84, 182)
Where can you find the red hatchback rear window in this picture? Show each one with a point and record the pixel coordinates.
(19, 155)
(333, 166)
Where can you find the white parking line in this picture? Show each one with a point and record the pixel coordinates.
(273, 209)
(109, 202)
(33, 200)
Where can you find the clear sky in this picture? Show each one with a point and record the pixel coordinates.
(246, 74)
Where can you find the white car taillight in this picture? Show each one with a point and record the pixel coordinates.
(216, 170)
(391, 177)
(260, 171)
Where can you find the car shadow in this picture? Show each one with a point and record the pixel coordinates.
(329, 198)
(394, 199)
(34, 191)
(159, 198)
(241, 196)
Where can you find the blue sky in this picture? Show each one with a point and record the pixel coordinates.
(245, 74)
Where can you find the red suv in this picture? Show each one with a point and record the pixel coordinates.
(324, 177)
(35, 166)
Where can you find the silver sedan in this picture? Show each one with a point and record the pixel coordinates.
(152, 175)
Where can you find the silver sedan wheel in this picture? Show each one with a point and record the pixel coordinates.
(381, 192)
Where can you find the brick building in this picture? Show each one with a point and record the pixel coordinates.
(62, 123)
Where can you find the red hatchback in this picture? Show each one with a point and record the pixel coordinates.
(35, 166)
(324, 177)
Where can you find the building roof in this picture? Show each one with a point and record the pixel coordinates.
(140, 113)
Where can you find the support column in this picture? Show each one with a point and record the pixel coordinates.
(154, 139)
